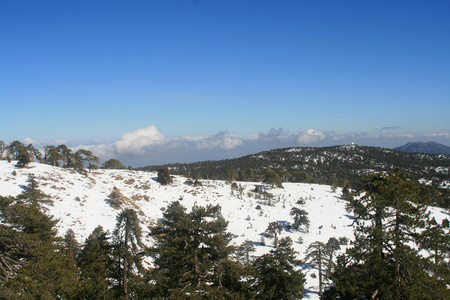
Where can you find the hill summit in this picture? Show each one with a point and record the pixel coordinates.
(421, 147)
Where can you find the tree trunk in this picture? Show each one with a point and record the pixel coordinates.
(320, 271)
(125, 266)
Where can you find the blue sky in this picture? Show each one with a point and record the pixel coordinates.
(185, 80)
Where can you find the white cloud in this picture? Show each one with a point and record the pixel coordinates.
(222, 140)
(138, 142)
(442, 134)
(271, 136)
(28, 141)
(310, 136)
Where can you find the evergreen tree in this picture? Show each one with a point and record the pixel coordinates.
(34, 153)
(273, 230)
(435, 239)
(390, 211)
(245, 250)
(12, 248)
(84, 156)
(45, 271)
(113, 164)
(192, 255)
(317, 256)
(116, 198)
(67, 155)
(52, 155)
(96, 266)
(70, 242)
(271, 177)
(164, 176)
(127, 245)
(300, 218)
(277, 276)
(3, 147)
(18, 151)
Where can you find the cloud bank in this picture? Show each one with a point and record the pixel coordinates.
(149, 146)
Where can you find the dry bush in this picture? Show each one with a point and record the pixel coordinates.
(129, 181)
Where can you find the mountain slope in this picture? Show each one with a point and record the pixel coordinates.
(325, 165)
(421, 147)
(80, 202)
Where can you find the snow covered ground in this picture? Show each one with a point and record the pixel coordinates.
(80, 204)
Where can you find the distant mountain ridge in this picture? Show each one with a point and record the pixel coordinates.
(336, 165)
(421, 147)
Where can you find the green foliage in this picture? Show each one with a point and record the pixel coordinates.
(96, 266)
(52, 155)
(39, 267)
(84, 157)
(244, 251)
(114, 164)
(277, 276)
(192, 254)
(338, 165)
(116, 198)
(164, 176)
(271, 177)
(273, 230)
(300, 218)
(127, 253)
(317, 257)
(383, 260)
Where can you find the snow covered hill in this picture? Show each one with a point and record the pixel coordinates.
(80, 202)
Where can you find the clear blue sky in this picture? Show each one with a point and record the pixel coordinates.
(214, 72)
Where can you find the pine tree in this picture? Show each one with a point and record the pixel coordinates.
(164, 176)
(46, 271)
(34, 153)
(277, 276)
(116, 198)
(52, 155)
(96, 266)
(67, 155)
(390, 212)
(192, 254)
(83, 157)
(273, 230)
(3, 147)
(245, 250)
(317, 256)
(300, 218)
(271, 177)
(127, 246)
(113, 164)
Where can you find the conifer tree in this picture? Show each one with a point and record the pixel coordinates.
(34, 153)
(245, 250)
(273, 230)
(67, 155)
(127, 246)
(96, 266)
(192, 254)
(300, 218)
(164, 176)
(52, 155)
(317, 256)
(271, 177)
(113, 164)
(46, 271)
(277, 274)
(390, 212)
(3, 147)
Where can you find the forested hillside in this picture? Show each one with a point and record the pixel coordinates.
(126, 234)
(338, 165)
